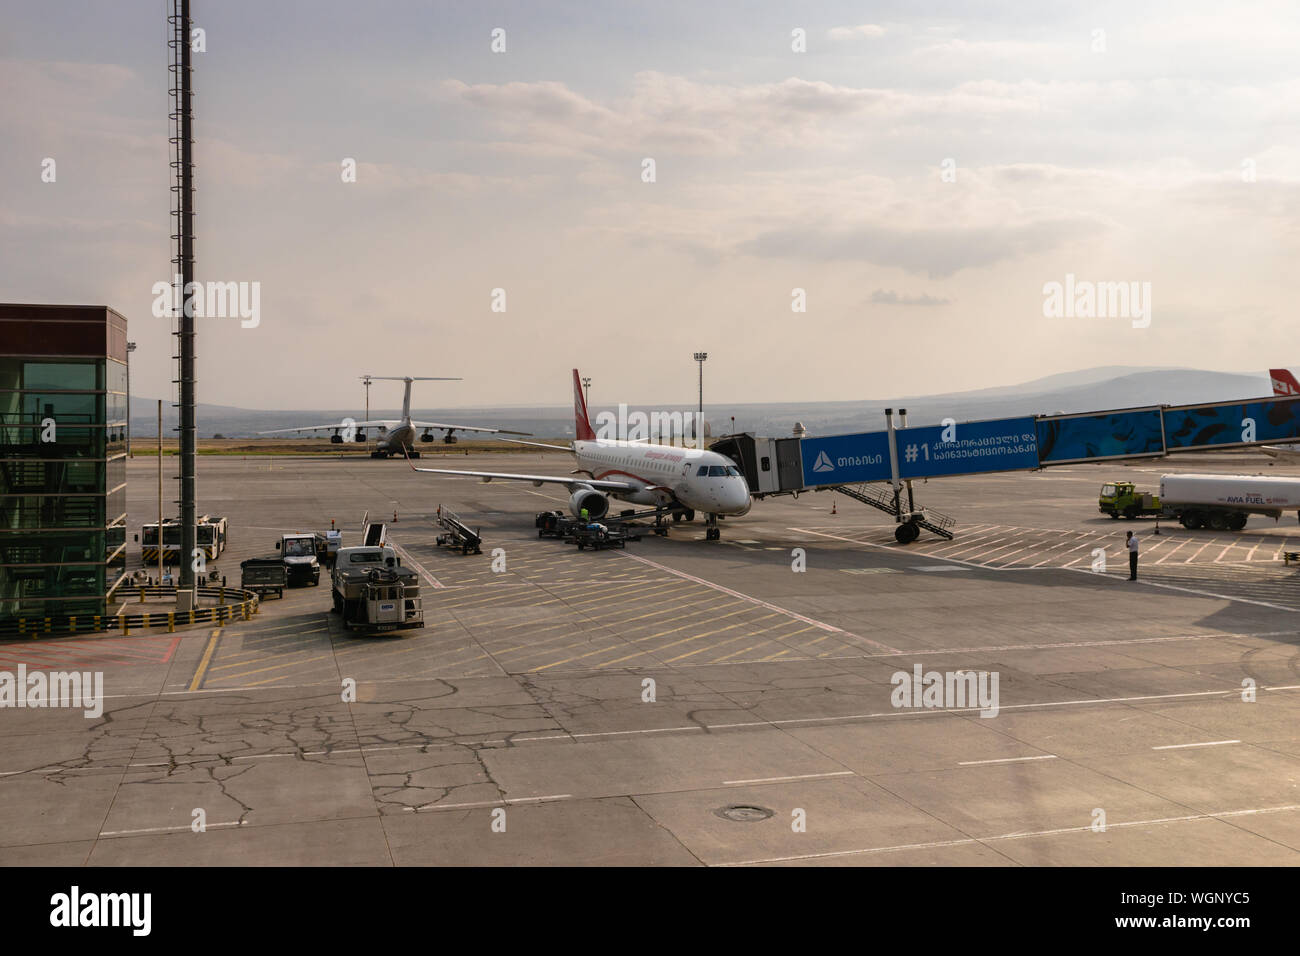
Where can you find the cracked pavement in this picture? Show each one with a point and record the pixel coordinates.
(527, 693)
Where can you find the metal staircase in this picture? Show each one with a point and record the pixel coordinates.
(881, 497)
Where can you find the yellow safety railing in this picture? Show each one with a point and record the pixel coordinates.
(230, 604)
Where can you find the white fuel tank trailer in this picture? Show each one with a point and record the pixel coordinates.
(1223, 501)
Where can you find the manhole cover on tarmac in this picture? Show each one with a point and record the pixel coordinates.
(744, 814)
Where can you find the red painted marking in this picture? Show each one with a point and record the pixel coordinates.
(626, 474)
(88, 653)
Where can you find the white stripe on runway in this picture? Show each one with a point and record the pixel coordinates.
(419, 569)
(1208, 743)
(1018, 836)
(802, 776)
(763, 604)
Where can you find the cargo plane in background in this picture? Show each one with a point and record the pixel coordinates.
(1284, 386)
(396, 436)
(671, 479)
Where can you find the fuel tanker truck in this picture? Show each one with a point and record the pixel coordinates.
(1221, 502)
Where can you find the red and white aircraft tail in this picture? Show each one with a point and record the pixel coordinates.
(1284, 381)
(1284, 386)
(582, 429)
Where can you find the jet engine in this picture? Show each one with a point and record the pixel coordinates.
(597, 504)
(426, 437)
(360, 436)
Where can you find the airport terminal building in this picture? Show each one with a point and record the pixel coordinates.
(63, 429)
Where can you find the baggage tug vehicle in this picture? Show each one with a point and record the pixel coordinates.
(373, 593)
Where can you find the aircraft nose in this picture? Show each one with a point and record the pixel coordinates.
(737, 496)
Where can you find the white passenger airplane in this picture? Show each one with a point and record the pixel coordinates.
(673, 480)
(1284, 386)
(396, 436)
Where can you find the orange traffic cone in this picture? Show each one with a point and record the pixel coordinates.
(394, 516)
(833, 511)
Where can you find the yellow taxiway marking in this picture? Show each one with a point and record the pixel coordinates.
(199, 674)
(273, 667)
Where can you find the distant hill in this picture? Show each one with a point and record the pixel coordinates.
(1086, 390)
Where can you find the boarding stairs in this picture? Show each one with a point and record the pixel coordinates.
(881, 497)
(456, 534)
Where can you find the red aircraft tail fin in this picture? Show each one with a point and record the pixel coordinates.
(1284, 382)
(582, 423)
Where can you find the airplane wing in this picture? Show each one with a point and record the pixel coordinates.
(385, 423)
(538, 444)
(567, 481)
(467, 428)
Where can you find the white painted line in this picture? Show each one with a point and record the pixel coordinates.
(419, 569)
(976, 763)
(1166, 557)
(1212, 594)
(802, 776)
(1208, 743)
(615, 733)
(1017, 836)
(763, 604)
(263, 756)
(210, 826)
(488, 803)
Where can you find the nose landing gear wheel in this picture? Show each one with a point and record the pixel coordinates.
(713, 534)
(906, 533)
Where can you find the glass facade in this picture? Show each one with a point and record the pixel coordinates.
(63, 426)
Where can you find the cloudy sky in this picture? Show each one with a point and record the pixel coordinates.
(921, 171)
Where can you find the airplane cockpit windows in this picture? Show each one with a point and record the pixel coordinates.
(703, 472)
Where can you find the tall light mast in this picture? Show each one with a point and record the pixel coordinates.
(182, 140)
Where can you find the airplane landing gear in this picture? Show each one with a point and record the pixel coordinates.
(413, 453)
(711, 530)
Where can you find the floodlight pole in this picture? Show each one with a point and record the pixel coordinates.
(130, 347)
(700, 357)
(183, 116)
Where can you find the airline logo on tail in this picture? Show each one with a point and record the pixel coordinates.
(582, 429)
(1284, 382)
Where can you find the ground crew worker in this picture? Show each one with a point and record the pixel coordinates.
(1132, 556)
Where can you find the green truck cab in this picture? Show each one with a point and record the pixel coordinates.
(1122, 498)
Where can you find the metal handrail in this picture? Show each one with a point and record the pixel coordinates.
(233, 603)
